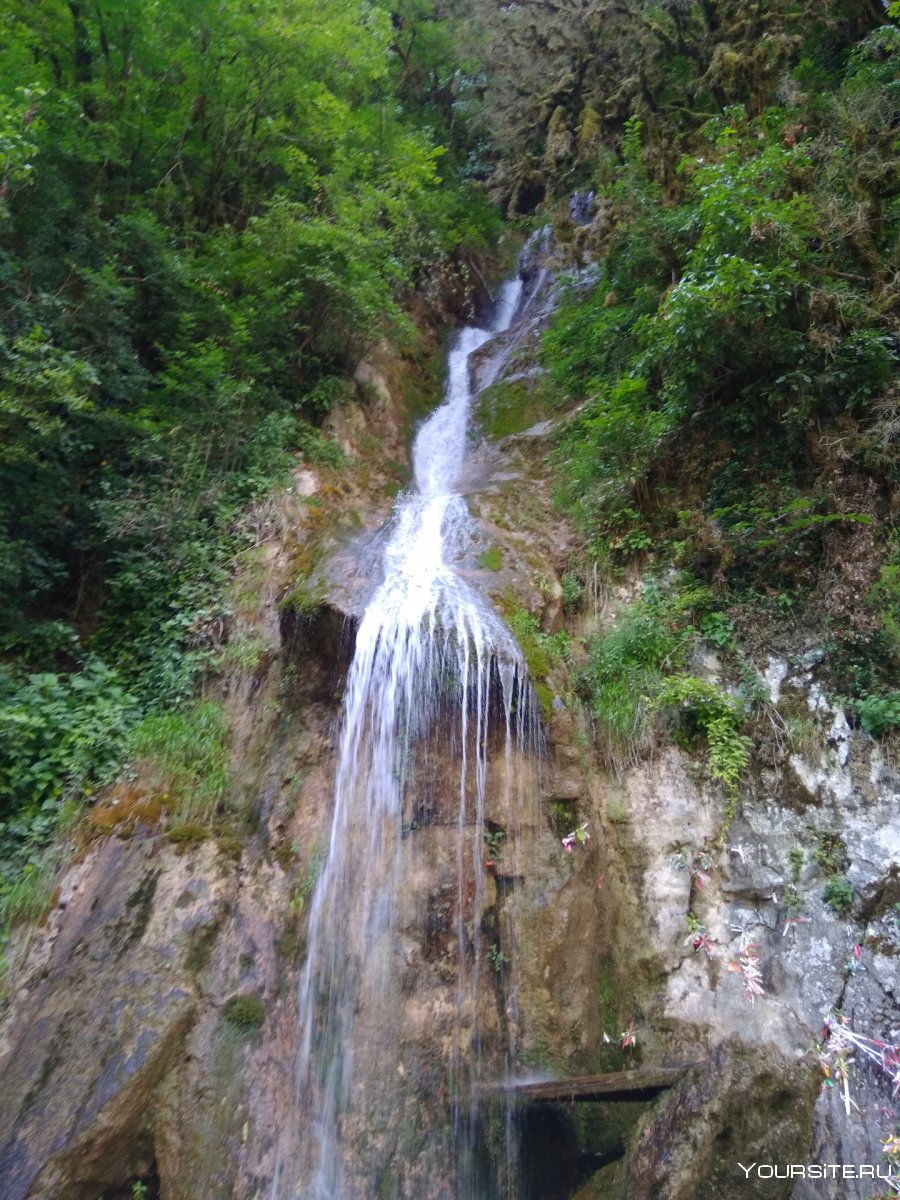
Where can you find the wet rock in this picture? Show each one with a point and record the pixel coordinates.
(101, 1021)
(741, 1107)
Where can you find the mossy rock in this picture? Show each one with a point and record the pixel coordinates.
(229, 845)
(200, 948)
(189, 834)
(511, 406)
(305, 596)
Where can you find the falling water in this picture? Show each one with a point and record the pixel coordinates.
(433, 667)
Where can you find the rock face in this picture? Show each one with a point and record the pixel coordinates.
(102, 1025)
(151, 1030)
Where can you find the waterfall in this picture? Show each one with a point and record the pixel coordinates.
(436, 678)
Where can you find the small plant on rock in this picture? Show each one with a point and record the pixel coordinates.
(579, 835)
(245, 1013)
(718, 718)
(838, 895)
(698, 938)
(493, 840)
(498, 958)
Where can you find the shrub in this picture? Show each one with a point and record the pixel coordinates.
(626, 666)
(718, 718)
(245, 1013)
(61, 738)
(878, 714)
(838, 894)
(61, 735)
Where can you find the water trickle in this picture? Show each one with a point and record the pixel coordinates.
(391, 996)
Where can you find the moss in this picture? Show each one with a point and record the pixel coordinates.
(545, 698)
(491, 560)
(200, 948)
(509, 407)
(230, 846)
(188, 834)
(305, 596)
(245, 1013)
(130, 926)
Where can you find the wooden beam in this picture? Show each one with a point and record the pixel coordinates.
(642, 1082)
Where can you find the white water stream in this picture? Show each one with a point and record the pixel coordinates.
(432, 662)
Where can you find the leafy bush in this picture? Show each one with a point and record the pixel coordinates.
(626, 666)
(61, 737)
(741, 294)
(719, 718)
(635, 672)
(878, 714)
(573, 590)
(838, 894)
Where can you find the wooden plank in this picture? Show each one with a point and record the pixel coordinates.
(616, 1085)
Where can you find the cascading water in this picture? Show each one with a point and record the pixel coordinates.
(387, 1065)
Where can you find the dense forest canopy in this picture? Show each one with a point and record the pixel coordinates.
(210, 209)
(207, 212)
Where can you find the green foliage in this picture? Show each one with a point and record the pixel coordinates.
(498, 958)
(613, 440)
(795, 857)
(884, 598)
(316, 447)
(573, 591)
(491, 559)
(719, 718)
(635, 672)
(626, 667)
(61, 737)
(304, 596)
(879, 714)
(245, 651)
(25, 895)
(738, 295)
(540, 650)
(187, 750)
(838, 894)
(831, 853)
(245, 1013)
(493, 840)
(532, 641)
(717, 629)
(744, 244)
(208, 212)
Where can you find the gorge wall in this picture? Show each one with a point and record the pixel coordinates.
(151, 1028)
